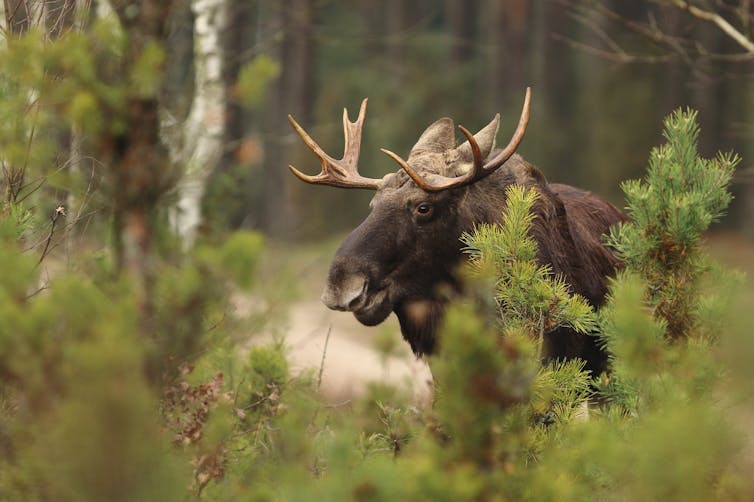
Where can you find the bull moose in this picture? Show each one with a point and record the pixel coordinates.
(407, 251)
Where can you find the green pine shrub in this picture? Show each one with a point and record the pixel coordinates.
(681, 195)
(530, 301)
(527, 294)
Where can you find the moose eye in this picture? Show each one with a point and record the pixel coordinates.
(423, 210)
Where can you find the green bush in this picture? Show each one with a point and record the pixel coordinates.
(680, 197)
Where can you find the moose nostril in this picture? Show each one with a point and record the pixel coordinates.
(346, 294)
(357, 299)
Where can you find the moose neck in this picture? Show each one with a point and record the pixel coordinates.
(487, 197)
(483, 202)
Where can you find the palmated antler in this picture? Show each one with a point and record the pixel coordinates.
(341, 173)
(435, 183)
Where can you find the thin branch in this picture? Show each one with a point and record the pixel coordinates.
(324, 353)
(59, 211)
(40, 181)
(650, 31)
(580, 11)
(41, 288)
(688, 50)
(718, 20)
(618, 57)
(597, 30)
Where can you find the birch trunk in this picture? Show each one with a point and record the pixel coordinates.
(203, 130)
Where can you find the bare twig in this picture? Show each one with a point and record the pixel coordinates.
(338, 404)
(238, 389)
(41, 288)
(541, 336)
(597, 30)
(59, 211)
(324, 354)
(39, 181)
(618, 57)
(718, 21)
(685, 48)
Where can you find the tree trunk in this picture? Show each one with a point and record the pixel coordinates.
(241, 147)
(203, 131)
(137, 157)
(460, 16)
(17, 22)
(505, 24)
(293, 94)
(59, 17)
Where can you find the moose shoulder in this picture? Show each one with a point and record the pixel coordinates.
(403, 257)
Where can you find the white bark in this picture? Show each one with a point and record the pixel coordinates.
(203, 132)
(104, 9)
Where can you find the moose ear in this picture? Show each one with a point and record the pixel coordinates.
(484, 138)
(437, 138)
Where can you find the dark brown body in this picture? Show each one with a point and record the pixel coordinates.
(417, 264)
(404, 256)
(582, 258)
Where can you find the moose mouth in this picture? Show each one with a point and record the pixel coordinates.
(353, 294)
(372, 308)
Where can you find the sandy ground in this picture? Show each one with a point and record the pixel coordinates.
(351, 360)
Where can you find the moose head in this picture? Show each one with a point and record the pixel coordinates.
(403, 257)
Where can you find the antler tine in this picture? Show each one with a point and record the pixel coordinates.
(313, 146)
(517, 137)
(436, 183)
(476, 152)
(352, 134)
(418, 179)
(341, 173)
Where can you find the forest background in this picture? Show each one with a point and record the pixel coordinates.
(149, 230)
(603, 75)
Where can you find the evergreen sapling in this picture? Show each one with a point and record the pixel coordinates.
(681, 195)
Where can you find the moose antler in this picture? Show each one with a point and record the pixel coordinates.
(436, 183)
(341, 173)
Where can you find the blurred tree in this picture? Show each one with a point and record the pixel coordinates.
(290, 28)
(242, 150)
(134, 151)
(461, 19)
(16, 23)
(506, 25)
(59, 18)
(202, 134)
(53, 18)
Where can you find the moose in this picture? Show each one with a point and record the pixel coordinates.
(404, 257)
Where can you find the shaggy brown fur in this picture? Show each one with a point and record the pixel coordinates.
(410, 260)
(404, 256)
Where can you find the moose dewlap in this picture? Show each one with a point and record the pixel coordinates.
(403, 257)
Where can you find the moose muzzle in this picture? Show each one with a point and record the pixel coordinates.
(345, 294)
